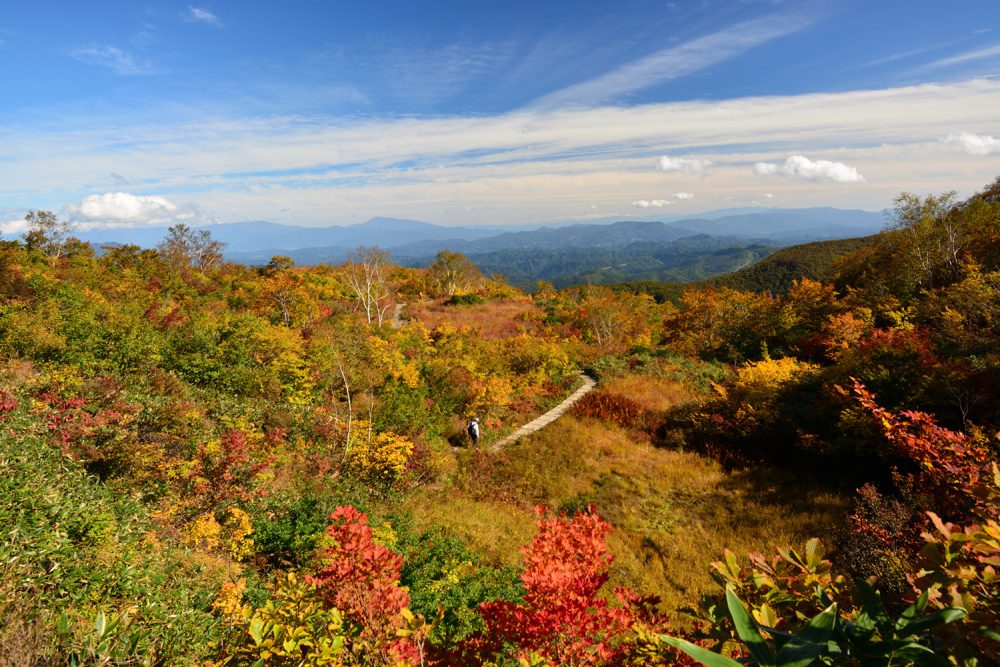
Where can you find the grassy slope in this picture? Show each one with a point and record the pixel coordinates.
(673, 512)
(74, 546)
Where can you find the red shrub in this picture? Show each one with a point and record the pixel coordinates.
(7, 405)
(563, 617)
(610, 407)
(361, 579)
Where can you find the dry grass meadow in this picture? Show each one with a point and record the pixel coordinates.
(672, 512)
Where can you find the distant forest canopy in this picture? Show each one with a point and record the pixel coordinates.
(206, 462)
(582, 253)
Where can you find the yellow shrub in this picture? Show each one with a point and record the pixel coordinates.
(203, 533)
(293, 628)
(380, 460)
(760, 380)
(238, 527)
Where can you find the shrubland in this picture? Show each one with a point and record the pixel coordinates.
(210, 463)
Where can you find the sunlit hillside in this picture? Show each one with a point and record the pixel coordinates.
(208, 463)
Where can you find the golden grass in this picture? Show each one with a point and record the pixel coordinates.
(495, 530)
(673, 512)
(652, 393)
(494, 319)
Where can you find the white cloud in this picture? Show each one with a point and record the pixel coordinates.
(687, 165)
(113, 58)
(516, 166)
(122, 209)
(14, 227)
(799, 166)
(967, 57)
(675, 62)
(974, 144)
(201, 15)
(660, 203)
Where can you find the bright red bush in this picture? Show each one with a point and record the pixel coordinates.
(947, 465)
(361, 579)
(563, 617)
(7, 405)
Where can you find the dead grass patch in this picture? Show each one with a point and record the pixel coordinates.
(673, 512)
(652, 393)
(493, 319)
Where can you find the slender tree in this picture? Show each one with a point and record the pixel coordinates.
(366, 269)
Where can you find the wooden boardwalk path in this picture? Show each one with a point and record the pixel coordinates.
(555, 413)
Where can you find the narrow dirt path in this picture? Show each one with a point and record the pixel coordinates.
(397, 316)
(555, 413)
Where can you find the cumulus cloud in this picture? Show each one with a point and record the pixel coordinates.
(686, 165)
(660, 203)
(201, 15)
(14, 227)
(801, 167)
(974, 144)
(122, 209)
(115, 59)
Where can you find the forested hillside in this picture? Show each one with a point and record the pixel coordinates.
(208, 463)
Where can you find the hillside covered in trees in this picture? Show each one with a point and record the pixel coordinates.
(207, 463)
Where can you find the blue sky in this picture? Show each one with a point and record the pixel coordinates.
(327, 112)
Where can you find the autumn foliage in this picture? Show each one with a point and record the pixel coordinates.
(564, 617)
(360, 578)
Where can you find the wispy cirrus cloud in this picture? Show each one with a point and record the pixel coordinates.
(201, 15)
(110, 56)
(966, 57)
(527, 165)
(675, 62)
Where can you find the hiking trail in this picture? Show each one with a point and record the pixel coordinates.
(555, 413)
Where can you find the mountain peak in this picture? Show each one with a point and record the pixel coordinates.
(395, 224)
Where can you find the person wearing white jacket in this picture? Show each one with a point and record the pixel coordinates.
(473, 429)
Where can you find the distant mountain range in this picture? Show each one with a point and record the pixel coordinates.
(603, 251)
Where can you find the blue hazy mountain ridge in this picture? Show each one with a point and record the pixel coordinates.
(259, 235)
(255, 242)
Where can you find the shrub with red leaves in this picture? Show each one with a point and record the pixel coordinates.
(361, 579)
(226, 473)
(7, 405)
(947, 466)
(563, 617)
(610, 407)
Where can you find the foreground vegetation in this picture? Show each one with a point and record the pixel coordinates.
(209, 463)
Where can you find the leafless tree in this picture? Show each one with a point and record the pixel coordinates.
(366, 269)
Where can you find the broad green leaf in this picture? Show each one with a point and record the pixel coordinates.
(912, 612)
(746, 628)
(702, 655)
(915, 654)
(810, 642)
(940, 617)
(872, 605)
(257, 630)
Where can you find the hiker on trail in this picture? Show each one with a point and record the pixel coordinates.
(473, 429)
